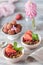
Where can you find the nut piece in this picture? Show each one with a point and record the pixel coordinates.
(11, 32)
(9, 26)
(18, 17)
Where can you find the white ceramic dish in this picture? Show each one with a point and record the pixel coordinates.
(13, 59)
(31, 46)
(12, 37)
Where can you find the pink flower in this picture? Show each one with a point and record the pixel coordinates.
(31, 9)
(13, 28)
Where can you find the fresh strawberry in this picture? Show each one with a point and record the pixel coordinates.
(24, 39)
(10, 52)
(9, 46)
(9, 49)
(18, 17)
(27, 37)
(29, 32)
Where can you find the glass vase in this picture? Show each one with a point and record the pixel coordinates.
(30, 23)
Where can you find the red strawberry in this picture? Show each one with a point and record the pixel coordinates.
(29, 32)
(10, 52)
(18, 17)
(27, 37)
(9, 46)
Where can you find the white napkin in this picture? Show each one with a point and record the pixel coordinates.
(6, 9)
(38, 55)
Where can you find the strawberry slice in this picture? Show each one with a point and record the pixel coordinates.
(9, 46)
(29, 32)
(9, 52)
(27, 37)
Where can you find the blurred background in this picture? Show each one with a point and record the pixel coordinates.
(20, 9)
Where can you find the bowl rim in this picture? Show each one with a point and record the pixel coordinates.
(12, 35)
(31, 45)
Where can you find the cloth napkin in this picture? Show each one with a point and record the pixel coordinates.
(38, 55)
(6, 9)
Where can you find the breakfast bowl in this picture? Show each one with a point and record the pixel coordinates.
(12, 30)
(31, 40)
(12, 37)
(13, 53)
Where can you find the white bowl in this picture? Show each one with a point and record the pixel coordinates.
(12, 37)
(13, 59)
(31, 46)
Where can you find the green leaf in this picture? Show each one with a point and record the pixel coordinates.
(19, 49)
(14, 47)
(15, 44)
(35, 36)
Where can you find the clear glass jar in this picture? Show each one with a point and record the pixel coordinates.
(30, 23)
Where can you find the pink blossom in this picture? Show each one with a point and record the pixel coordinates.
(13, 28)
(31, 9)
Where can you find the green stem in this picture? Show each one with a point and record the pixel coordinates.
(33, 23)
